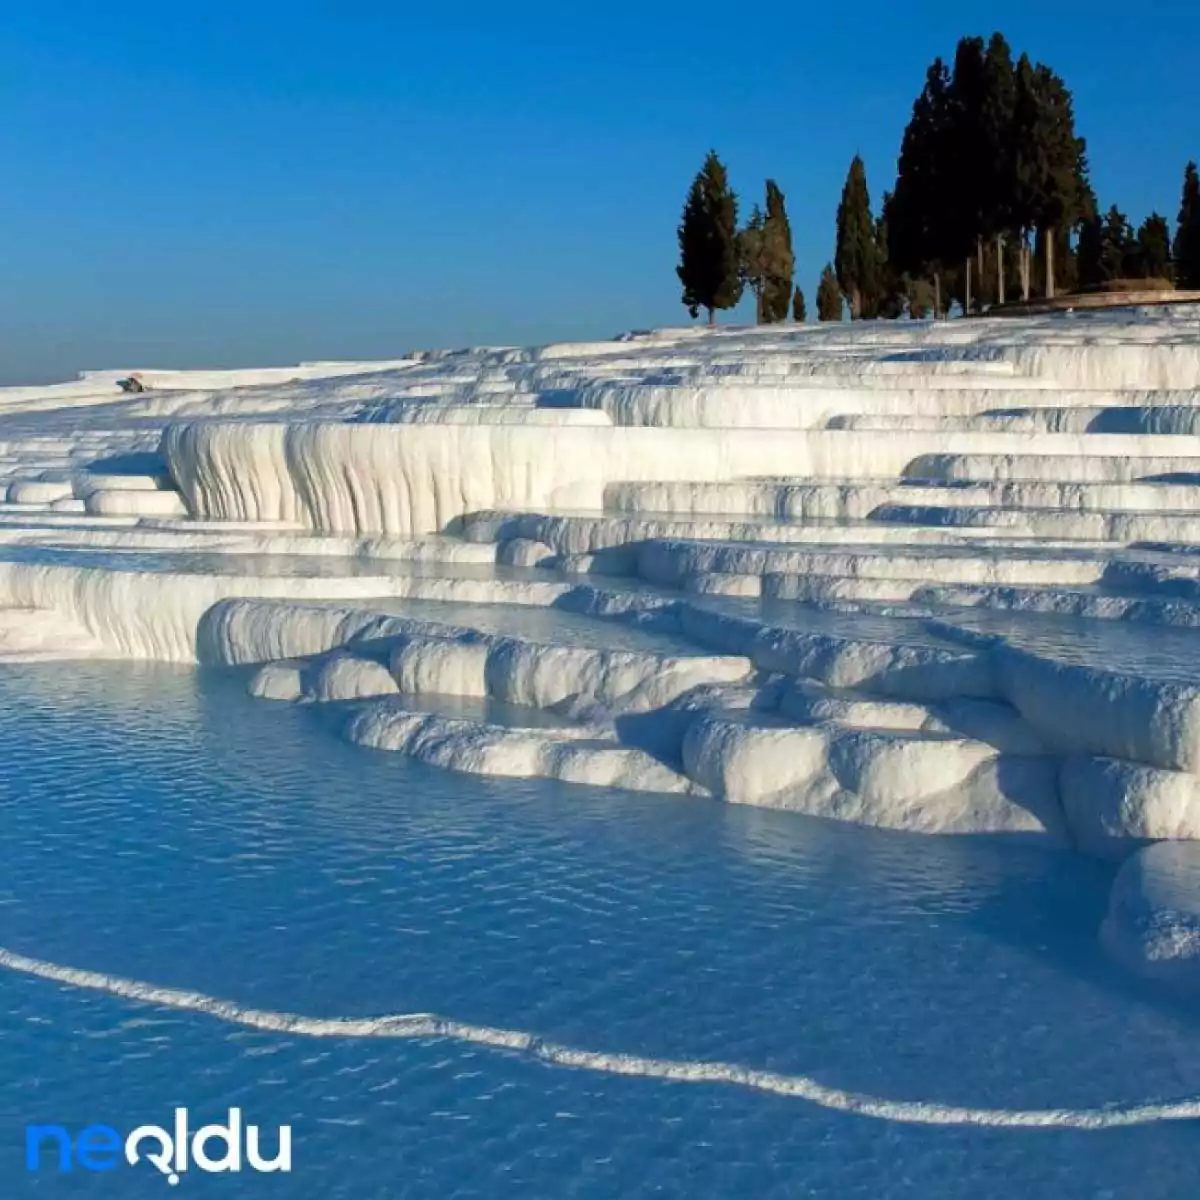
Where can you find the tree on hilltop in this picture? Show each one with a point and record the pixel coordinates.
(998, 103)
(990, 155)
(856, 256)
(1187, 232)
(921, 299)
(766, 259)
(917, 218)
(799, 308)
(1154, 247)
(1050, 172)
(891, 299)
(750, 243)
(709, 268)
(829, 296)
(779, 263)
(967, 206)
(1117, 244)
(1090, 252)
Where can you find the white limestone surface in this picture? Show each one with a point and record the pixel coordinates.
(890, 573)
(341, 477)
(1153, 921)
(1110, 803)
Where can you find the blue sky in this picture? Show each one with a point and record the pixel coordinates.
(235, 183)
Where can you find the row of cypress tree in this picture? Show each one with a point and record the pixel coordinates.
(992, 176)
(717, 261)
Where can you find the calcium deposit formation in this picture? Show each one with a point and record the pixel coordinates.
(940, 578)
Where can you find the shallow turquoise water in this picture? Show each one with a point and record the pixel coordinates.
(159, 825)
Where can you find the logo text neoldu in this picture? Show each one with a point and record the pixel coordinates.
(215, 1149)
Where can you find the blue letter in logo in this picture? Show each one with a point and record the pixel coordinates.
(97, 1148)
(35, 1135)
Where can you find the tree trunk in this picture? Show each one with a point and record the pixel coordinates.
(1050, 263)
(1025, 270)
(937, 295)
(758, 305)
(999, 268)
(967, 291)
(979, 271)
(712, 317)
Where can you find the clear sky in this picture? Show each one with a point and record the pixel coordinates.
(248, 182)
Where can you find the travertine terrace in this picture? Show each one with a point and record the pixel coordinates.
(934, 577)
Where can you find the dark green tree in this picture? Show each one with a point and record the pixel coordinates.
(990, 154)
(917, 217)
(750, 246)
(1090, 252)
(1117, 245)
(967, 200)
(799, 308)
(766, 259)
(920, 296)
(778, 261)
(708, 251)
(856, 258)
(998, 153)
(1154, 248)
(1187, 232)
(829, 296)
(891, 283)
(1066, 192)
(1029, 165)
(1108, 250)
(1050, 173)
(1066, 261)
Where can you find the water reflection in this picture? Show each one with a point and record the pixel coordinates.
(156, 823)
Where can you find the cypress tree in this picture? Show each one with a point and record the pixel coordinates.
(708, 252)
(1050, 173)
(1090, 252)
(1116, 245)
(1154, 248)
(856, 259)
(1187, 232)
(891, 285)
(996, 133)
(829, 296)
(916, 219)
(1065, 260)
(921, 298)
(778, 261)
(1064, 189)
(1028, 166)
(967, 199)
(799, 308)
(991, 151)
(751, 248)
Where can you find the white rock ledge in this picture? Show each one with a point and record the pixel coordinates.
(892, 573)
(1153, 921)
